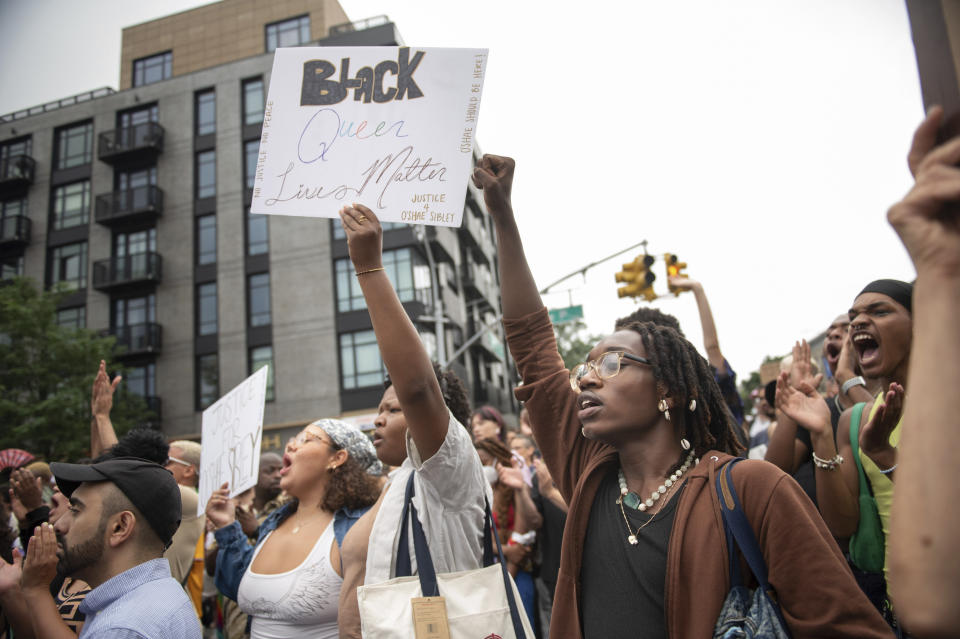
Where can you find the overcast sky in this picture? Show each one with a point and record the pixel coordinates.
(761, 140)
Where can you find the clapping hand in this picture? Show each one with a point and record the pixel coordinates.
(40, 568)
(803, 404)
(875, 435)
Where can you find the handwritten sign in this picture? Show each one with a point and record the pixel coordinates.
(388, 127)
(231, 437)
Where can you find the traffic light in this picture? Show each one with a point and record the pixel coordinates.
(674, 268)
(638, 278)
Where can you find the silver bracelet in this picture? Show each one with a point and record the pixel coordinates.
(887, 471)
(827, 464)
(850, 383)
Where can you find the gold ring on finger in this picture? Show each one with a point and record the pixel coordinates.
(362, 219)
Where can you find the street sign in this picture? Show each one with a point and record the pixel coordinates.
(564, 315)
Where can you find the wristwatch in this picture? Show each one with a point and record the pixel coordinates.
(850, 383)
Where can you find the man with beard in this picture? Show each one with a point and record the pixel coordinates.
(124, 513)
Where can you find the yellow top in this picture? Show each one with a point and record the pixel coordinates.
(881, 484)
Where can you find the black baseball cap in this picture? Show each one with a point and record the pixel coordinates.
(149, 486)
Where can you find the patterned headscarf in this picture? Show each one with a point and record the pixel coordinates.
(350, 439)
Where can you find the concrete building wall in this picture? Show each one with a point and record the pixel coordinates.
(219, 33)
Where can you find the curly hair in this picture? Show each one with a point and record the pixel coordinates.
(649, 314)
(502, 495)
(144, 443)
(350, 486)
(454, 393)
(683, 374)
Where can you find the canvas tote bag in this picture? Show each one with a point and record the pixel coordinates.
(479, 603)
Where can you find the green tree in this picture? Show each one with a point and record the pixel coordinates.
(46, 372)
(574, 342)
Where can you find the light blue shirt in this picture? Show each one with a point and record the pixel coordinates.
(144, 602)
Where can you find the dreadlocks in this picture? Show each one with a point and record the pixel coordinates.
(649, 314)
(684, 375)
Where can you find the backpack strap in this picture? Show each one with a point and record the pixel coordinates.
(740, 534)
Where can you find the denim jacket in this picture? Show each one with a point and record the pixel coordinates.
(236, 553)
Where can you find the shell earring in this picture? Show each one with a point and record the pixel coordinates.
(685, 443)
(664, 408)
(693, 405)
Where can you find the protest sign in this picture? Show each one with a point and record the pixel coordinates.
(231, 437)
(388, 127)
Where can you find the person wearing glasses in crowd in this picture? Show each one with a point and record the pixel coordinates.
(289, 583)
(420, 429)
(634, 438)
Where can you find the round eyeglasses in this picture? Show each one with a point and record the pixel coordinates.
(606, 366)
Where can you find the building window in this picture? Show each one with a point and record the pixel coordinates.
(257, 238)
(208, 380)
(74, 145)
(135, 243)
(139, 115)
(399, 265)
(134, 311)
(253, 101)
(128, 180)
(68, 267)
(206, 112)
(258, 297)
(207, 239)
(72, 318)
(360, 363)
(71, 205)
(251, 151)
(153, 68)
(9, 150)
(141, 380)
(206, 174)
(288, 33)
(259, 357)
(9, 212)
(207, 309)
(11, 267)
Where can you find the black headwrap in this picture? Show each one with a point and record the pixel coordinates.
(900, 292)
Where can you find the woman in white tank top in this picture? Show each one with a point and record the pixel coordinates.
(291, 581)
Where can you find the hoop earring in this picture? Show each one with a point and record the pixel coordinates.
(664, 408)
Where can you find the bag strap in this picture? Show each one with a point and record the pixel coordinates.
(855, 416)
(425, 568)
(738, 530)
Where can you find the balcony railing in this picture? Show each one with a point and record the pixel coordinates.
(14, 231)
(131, 144)
(127, 272)
(138, 339)
(16, 174)
(140, 204)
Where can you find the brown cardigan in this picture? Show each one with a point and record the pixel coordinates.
(816, 590)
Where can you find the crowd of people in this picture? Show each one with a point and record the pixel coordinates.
(611, 497)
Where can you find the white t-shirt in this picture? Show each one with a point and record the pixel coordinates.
(449, 496)
(295, 604)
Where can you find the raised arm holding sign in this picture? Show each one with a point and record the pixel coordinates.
(391, 126)
(231, 437)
